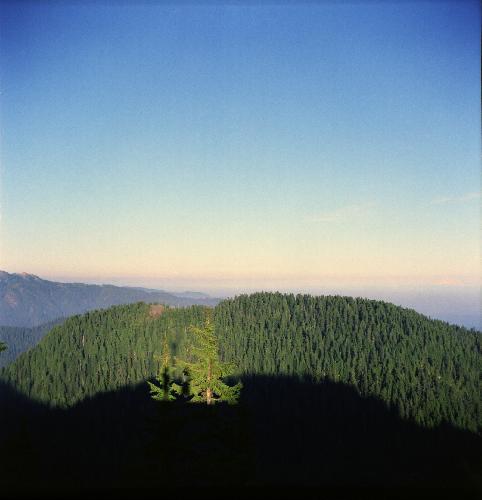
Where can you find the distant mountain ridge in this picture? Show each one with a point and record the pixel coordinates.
(27, 300)
(187, 294)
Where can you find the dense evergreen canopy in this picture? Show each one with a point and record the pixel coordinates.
(426, 369)
(99, 351)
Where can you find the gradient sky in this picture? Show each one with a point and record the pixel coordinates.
(242, 145)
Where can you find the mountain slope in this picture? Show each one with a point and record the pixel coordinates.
(426, 370)
(27, 300)
(20, 339)
(98, 351)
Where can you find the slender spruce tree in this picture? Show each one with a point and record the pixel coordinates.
(205, 372)
(164, 391)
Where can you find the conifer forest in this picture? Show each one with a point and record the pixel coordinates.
(246, 393)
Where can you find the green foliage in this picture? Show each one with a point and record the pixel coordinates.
(99, 351)
(3, 347)
(164, 391)
(427, 369)
(205, 372)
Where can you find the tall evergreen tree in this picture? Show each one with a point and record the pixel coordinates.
(205, 371)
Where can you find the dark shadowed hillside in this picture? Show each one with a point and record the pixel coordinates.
(284, 432)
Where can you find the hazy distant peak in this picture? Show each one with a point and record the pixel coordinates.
(29, 276)
(192, 295)
(5, 275)
(27, 300)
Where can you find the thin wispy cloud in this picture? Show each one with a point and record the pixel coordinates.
(456, 199)
(343, 213)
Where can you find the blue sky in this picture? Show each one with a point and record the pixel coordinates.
(242, 144)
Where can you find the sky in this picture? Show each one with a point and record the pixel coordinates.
(241, 146)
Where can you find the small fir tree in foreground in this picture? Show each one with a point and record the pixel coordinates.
(206, 372)
(164, 391)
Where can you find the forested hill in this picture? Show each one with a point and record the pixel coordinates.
(425, 369)
(20, 339)
(27, 300)
(99, 351)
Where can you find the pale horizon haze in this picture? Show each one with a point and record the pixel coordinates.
(318, 147)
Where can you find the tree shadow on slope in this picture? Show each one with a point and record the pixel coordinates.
(119, 439)
(284, 432)
(327, 434)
